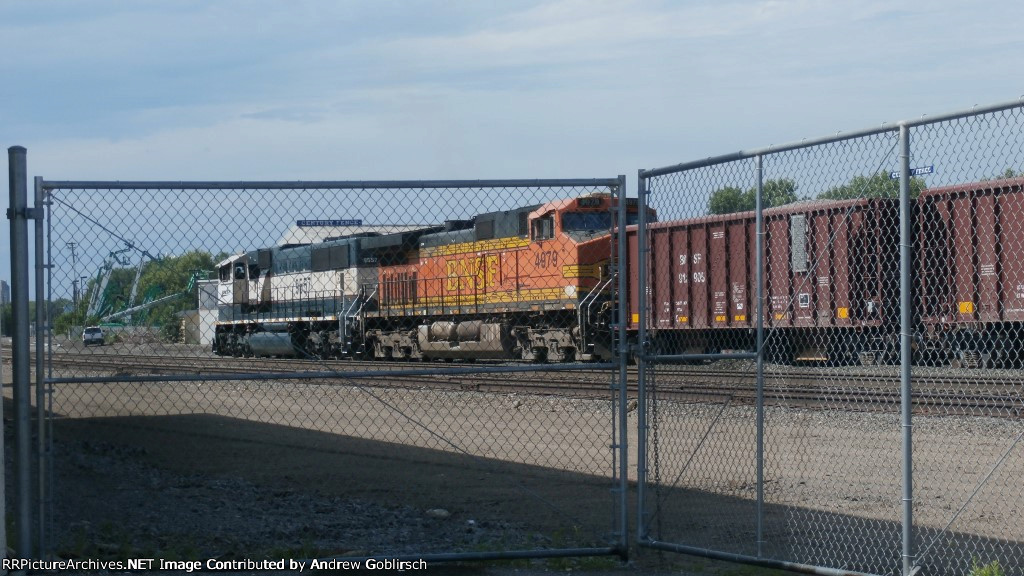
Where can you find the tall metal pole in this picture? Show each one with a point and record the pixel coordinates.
(759, 247)
(74, 273)
(623, 380)
(3, 456)
(18, 215)
(906, 328)
(42, 346)
(641, 362)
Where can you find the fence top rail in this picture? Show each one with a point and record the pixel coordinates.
(321, 184)
(838, 137)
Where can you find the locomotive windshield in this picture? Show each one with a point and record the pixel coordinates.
(591, 221)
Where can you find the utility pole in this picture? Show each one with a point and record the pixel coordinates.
(74, 273)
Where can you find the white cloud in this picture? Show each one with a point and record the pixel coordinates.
(392, 90)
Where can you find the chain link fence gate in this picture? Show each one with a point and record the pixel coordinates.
(265, 370)
(791, 447)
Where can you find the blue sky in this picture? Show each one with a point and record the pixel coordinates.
(249, 89)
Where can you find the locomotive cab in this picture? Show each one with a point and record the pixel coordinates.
(232, 281)
(580, 219)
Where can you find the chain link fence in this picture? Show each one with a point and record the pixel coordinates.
(827, 338)
(790, 445)
(265, 370)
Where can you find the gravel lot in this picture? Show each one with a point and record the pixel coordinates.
(297, 470)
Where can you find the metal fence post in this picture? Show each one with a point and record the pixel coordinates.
(906, 353)
(641, 365)
(759, 247)
(18, 214)
(622, 264)
(42, 347)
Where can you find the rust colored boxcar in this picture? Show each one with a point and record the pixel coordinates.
(830, 284)
(700, 274)
(970, 266)
(832, 279)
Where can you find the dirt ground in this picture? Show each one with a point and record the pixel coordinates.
(299, 470)
(237, 470)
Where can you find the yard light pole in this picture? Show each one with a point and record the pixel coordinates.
(74, 273)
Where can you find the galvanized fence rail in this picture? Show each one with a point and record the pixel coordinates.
(414, 370)
(821, 279)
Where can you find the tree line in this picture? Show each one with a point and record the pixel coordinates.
(782, 191)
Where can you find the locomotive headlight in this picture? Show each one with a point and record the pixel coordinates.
(570, 291)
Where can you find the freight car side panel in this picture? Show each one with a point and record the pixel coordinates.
(718, 272)
(1011, 238)
(752, 273)
(936, 266)
(985, 238)
(780, 309)
(820, 273)
(661, 277)
(838, 278)
(805, 258)
(740, 278)
(700, 305)
(966, 290)
(681, 274)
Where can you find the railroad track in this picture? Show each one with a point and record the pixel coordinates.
(875, 389)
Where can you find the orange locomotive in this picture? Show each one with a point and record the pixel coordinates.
(530, 283)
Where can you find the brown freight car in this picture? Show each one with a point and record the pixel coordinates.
(831, 293)
(970, 265)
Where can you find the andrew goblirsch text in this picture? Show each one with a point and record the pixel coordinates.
(211, 564)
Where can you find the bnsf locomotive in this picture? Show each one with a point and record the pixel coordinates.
(529, 283)
(532, 284)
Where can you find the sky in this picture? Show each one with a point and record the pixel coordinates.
(423, 89)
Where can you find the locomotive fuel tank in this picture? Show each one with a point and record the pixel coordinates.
(274, 341)
(470, 339)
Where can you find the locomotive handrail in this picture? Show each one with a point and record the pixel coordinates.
(584, 310)
(362, 305)
(343, 318)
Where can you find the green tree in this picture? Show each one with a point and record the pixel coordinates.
(777, 192)
(878, 185)
(727, 200)
(731, 199)
(165, 277)
(1004, 175)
